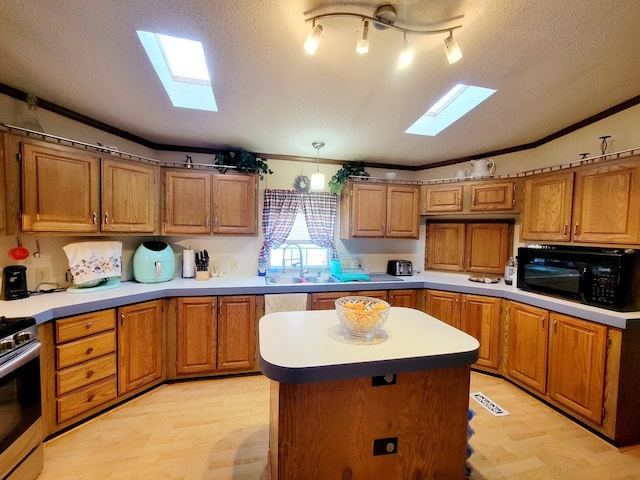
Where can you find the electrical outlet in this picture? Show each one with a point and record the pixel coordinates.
(234, 264)
(42, 274)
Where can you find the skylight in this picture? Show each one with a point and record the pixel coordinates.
(458, 101)
(182, 69)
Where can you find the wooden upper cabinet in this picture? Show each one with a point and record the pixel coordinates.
(129, 197)
(441, 198)
(445, 246)
(187, 202)
(606, 204)
(235, 204)
(368, 210)
(403, 216)
(547, 207)
(376, 210)
(487, 247)
(528, 345)
(492, 196)
(60, 189)
(577, 358)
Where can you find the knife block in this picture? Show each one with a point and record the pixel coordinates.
(202, 275)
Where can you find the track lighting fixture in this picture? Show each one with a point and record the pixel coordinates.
(317, 178)
(452, 49)
(383, 18)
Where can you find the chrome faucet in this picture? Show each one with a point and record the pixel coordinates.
(284, 270)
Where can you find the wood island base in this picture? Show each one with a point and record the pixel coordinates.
(328, 429)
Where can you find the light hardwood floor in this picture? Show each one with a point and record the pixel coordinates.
(217, 430)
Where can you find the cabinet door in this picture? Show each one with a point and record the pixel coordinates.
(60, 190)
(480, 318)
(493, 197)
(128, 197)
(547, 207)
(487, 247)
(403, 216)
(236, 332)
(3, 208)
(606, 204)
(187, 202)
(441, 198)
(379, 294)
(139, 345)
(326, 300)
(527, 345)
(234, 204)
(577, 365)
(196, 335)
(368, 210)
(403, 298)
(445, 246)
(445, 306)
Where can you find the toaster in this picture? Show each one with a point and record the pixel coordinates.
(399, 267)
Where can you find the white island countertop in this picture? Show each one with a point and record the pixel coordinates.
(297, 347)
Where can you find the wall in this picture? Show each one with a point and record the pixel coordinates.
(242, 252)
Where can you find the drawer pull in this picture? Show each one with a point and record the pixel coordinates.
(91, 397)
(89, 325)
(90, 373)
(89, 351)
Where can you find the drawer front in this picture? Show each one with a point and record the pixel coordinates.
(85, 373)
(84, 325)
(86, 349)
(86, 398)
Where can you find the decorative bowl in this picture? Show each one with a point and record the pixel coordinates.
(362, 316)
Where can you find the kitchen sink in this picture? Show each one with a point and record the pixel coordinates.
(289, 280)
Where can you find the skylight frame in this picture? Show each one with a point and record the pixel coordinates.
(183, 91)
(453, 105)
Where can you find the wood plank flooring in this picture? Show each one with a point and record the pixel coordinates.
(218, 430)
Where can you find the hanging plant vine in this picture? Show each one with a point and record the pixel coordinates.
(350, 169)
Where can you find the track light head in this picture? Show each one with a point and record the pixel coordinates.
(452, 49)
(313, 39)
(362, 46)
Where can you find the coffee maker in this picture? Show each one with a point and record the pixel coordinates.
(14, 282)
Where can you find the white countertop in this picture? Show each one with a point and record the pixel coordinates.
(48, 306)
(297, 347)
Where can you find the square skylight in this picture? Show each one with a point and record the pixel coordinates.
(457, 102)
(181, 67)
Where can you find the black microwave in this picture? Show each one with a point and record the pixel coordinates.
(602, 277)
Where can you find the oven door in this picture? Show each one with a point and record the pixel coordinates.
(20, 407)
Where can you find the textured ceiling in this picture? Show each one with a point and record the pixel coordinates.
(554, 63)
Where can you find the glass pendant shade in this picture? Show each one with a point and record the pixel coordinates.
(317, 181)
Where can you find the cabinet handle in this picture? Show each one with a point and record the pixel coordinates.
(91, 397)
(564, 229)
(215, 222)
(468, 262)
(106, 218)
(89, 351)
(94, 217)
(459, 200)
(206, 222)
(88, 325)
(473, 199)
(555, 326)
(122, 319)
(575, 231)
(542, 323)
(90, 374)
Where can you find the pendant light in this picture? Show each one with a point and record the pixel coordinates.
(317, 179)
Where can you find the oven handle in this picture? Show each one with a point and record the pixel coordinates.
(22, 358)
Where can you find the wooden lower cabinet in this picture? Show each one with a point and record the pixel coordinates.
(477, 315)
(215, 334)
(528, 345)
(403, 298)
(577, 359)
(327, 300)
(140, 338)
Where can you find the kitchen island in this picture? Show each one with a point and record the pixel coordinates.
(393, 408)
